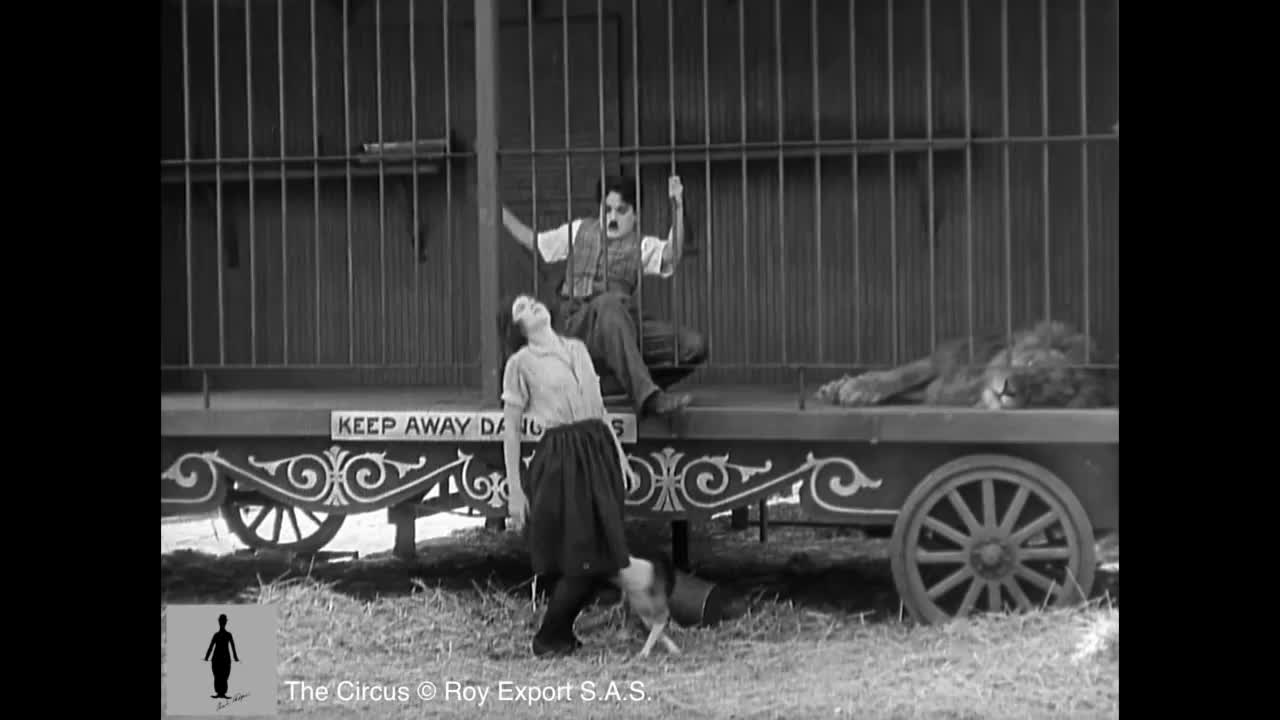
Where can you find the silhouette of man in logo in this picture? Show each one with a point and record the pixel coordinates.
(218, 647)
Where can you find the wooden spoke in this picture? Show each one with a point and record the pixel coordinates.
(970, 598)
(275, 535)
(313, 517)
(1015, 509)
(993, 596)
(952, 580)
(946, 531)
(293, 520)
(926, 557)
(1055, 553)
(966, 514)
(1036, 526)
(989, 504)
(1011, 584)
(262, 514)
(1036, 579)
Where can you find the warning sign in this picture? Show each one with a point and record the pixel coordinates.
(447, 426)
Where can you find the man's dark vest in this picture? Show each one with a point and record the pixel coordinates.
(591, 271)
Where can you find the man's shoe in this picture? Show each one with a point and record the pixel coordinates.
(663, 403)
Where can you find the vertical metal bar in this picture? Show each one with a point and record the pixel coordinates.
(284, 212)
(533, 155)
(782, 212)
(346, 153)
(742, 120)
(1044, 147)
(928, 120)
(600, 95)
(968, 177)
(217, 156)
(488, 208)
(817, 181)
(253, 276)
(853, 161)
(315, 174)
(413, 137)
(893, 200)
(382, 183)
(186, 168)
(706, 139)
(448, 182)
(1004, 158)
(671, 118)
(635, 129)
(568, 157)
(1084, 181)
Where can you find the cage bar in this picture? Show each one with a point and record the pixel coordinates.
(853, 163)
(635, 129)
(533, 154)
(217, 155)
(706, 137)
(315, 179)
(488, 207)
(1004, 158)
(893, 200)
(968, 176)
(284, 185)
(413, 162)
(742, 118)
(1084, 181)
(346, 134)
(817, 177)
(382, 183)
(186, 152)
(600, 95)
(568, 159)
(490, 355)
(1044, 148)
(928, 104)
(671, 117)
(253, 275)
(782, 180)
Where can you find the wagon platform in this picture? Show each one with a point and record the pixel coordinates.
(987, 481)
(721, 412)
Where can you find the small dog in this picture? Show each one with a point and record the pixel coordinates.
(646, 585)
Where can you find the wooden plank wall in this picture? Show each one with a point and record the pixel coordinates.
(753, 287)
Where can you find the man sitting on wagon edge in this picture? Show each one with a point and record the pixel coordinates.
(596, 297)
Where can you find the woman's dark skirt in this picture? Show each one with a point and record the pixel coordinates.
(576, 502)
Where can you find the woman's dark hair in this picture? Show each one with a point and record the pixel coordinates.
(509, 332)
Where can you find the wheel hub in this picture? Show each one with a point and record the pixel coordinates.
(990, 559)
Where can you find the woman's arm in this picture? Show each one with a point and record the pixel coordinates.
(515, 399)
(517, 503)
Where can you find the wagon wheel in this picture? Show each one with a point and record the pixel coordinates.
(991, 530)
(263, 523)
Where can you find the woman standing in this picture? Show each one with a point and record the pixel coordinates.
(570, 501)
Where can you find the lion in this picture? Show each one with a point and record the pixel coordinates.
(1038, 367)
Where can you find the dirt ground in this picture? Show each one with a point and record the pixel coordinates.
(822, 634)
(826, 569)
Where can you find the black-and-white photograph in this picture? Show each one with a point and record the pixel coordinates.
(640, 358)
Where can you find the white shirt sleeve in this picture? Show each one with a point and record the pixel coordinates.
(554, 244)
(651, 251)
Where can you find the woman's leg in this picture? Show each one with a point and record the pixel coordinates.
(570, 594)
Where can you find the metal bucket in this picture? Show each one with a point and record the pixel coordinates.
(695, 602)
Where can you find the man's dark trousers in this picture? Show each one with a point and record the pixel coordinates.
(607, 324)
